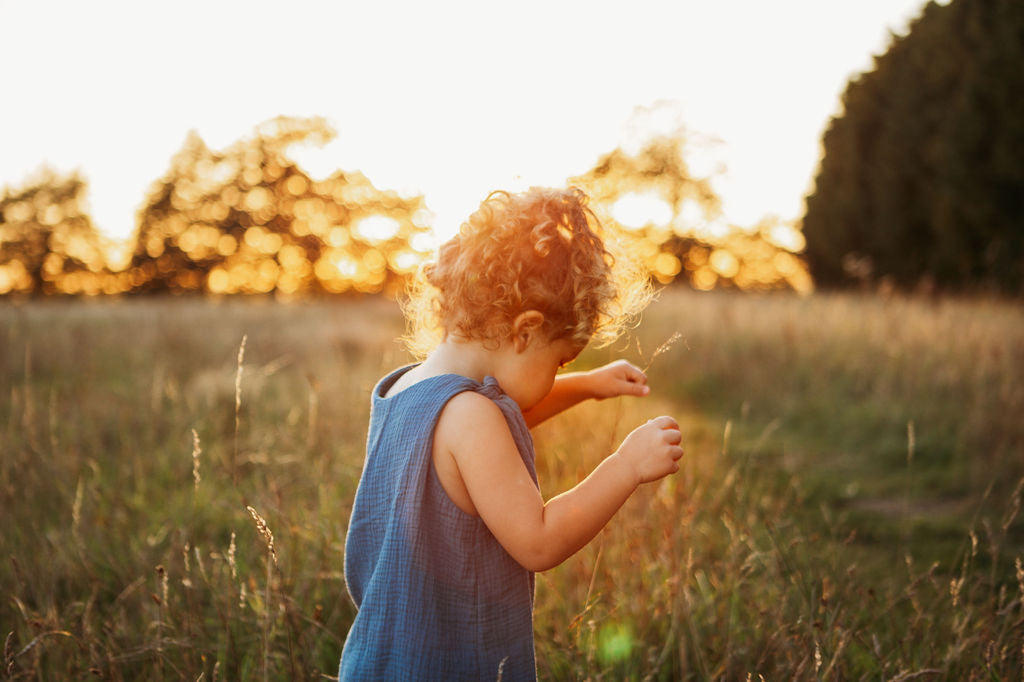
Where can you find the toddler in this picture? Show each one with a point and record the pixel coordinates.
(448, 524)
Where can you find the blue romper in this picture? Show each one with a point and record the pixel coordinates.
(438, 597)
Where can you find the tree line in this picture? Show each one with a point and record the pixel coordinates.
(248, 220)
(922, 178)
(242, 220)
(921, 183)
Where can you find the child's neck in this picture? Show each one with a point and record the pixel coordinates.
(467, 358)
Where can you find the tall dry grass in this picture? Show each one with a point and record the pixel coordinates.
(99, 483)
(848, 508)
(806, 537)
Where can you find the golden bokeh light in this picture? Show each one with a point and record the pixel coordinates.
(377, 228)
(48, 244)
(634, 210)
(671, 222)
(248, 220)
(724, 263)
(242, 220)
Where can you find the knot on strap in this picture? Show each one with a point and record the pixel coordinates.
(491, 388)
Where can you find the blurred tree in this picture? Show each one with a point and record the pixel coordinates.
(48, 244)
(248, 220)
(673, 222)
(922, 178)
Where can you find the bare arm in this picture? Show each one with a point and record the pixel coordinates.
(614, 379)
(537, 535)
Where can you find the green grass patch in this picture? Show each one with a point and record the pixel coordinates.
(847, 508)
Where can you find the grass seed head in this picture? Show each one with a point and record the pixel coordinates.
(231, 557)
(161, 573)
(199, 560)
(238, 374)
(264, 531)
(955, 586)
(76, 510)
(195, 458)
(662, 349)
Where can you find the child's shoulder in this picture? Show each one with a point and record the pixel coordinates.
(472, 404)
(469, 413)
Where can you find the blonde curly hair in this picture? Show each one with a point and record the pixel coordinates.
(542, 250)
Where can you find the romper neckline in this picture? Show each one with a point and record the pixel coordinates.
(488, 387)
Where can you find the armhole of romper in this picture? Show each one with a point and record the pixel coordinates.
(433, 469)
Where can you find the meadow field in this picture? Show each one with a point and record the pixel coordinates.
(176, 475)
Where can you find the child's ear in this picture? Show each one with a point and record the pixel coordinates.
(526, 328)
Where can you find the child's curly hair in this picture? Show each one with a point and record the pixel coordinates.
(540, 250)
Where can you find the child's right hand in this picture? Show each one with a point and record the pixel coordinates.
(653, 449)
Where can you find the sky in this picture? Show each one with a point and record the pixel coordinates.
(448, 98)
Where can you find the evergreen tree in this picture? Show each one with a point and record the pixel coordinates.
(922, 176)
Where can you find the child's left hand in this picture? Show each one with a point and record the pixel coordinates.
(617, 378)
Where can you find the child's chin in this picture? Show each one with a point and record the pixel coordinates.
(524, 404)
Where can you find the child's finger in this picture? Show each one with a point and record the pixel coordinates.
(665, 422)
(631, 388)
(635, 380)
(633, 373)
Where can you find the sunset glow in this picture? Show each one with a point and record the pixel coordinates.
(422, 106)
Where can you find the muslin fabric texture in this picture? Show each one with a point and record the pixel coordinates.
(438, 597)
